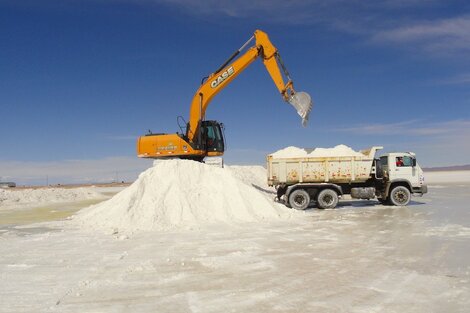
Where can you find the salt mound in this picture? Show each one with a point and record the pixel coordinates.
(181, 194)
(46, 195)
(254, 175)
(290, 152)
(338, 151)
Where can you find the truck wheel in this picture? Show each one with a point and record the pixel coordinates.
(299, 199)
(280, 191)
(400, 196)
(327, 199)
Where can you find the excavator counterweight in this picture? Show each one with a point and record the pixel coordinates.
(205, 138)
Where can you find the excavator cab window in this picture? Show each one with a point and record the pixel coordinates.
(212, 136)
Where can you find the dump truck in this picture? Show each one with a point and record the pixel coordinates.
(391, 178)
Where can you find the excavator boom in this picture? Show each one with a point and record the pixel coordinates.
(204, 138)
(229, 71)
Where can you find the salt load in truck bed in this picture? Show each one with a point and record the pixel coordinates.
(338, 164)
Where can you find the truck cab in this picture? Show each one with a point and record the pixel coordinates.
(401, 169)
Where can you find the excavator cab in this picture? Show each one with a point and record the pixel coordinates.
(209, 141)
(212, 139)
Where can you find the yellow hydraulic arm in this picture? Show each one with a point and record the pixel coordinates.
(228, 71)
(204, 138)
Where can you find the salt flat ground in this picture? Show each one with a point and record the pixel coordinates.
(360, 257)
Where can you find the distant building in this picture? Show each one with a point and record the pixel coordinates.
(7, 185)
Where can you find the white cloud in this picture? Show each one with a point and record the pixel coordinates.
(307, 11)
(275, 11)
(461, 79)
(436, 143)
(73, 171)
(376, 129)
(454, 27)
(441, 37)
(444, 150)
(411, 127)
(381, 22)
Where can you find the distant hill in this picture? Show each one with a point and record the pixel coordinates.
(448, 168)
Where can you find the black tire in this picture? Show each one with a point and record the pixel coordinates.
(327, 199)
(280, 191)
(400, 196)
(299, 199)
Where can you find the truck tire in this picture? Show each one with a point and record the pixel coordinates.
(400, 196)
(280, 191)
(299, 199)
(327, 199)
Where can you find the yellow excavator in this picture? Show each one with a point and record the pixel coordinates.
(203, 138)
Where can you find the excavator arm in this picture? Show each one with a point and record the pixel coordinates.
(204, 138)
(230, 70)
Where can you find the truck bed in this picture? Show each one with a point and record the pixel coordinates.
(338, 169)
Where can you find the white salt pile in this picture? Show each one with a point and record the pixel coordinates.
(181, 194)
(46, 195)
(338, 151)
(253, 175)
(290, 152)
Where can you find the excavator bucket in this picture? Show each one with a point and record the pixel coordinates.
(302, 102)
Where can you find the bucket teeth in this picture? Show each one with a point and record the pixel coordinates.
(302, 102)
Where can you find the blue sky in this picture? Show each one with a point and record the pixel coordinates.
(81, 80)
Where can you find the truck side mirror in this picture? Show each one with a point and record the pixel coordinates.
(414, 162)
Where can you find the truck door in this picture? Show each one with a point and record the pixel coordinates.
(404, 169)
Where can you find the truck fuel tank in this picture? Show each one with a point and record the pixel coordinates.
(363, 193)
